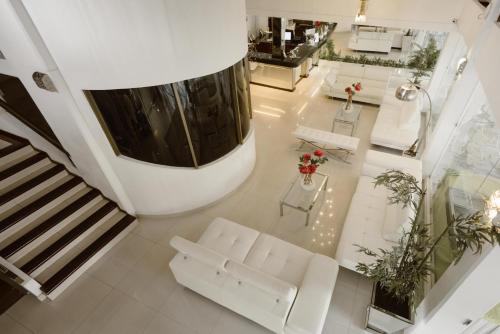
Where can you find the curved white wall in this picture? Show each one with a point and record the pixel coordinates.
(160, 190)
(106, 44)
(111, 44)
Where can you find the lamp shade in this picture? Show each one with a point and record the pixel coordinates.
(407, 92)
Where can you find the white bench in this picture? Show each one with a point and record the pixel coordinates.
(327, 140)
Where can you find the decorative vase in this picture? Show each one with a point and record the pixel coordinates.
(348, 104)
(307, 183)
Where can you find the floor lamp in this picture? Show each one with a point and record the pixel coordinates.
(409, 92)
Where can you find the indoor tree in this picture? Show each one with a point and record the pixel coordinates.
(403, 268)
(424, 61)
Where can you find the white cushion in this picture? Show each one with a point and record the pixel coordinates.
(353, 70)
(395, 221)
(378, 73)
(327, 138)
(391, 161)
(247, 275)
(311, 305)
(198, 252)
(228, 238)
(279, 258)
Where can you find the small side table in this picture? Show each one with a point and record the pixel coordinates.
(348, 118)
(302, 200)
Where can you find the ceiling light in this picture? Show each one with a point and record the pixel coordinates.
(361, 15)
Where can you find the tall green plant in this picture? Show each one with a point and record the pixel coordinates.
(403, 268)
(424, 61)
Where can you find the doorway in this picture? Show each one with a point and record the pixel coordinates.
(15, 99)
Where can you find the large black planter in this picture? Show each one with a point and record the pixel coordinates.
(387, 314)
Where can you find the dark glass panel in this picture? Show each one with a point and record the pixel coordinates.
(242, 90)
(209, 109)
(145, 124)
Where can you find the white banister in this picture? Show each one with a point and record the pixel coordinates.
(30, 284)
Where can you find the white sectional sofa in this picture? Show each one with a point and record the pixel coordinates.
(284, 288)
(371, 221)
(373, 80)
(398, 122)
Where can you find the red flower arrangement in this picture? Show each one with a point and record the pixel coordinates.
(351, 91)
(310, 163)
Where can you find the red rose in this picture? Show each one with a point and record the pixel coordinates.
(357, 86)
(306, 157)
(304, 169)
(319, 153)
(312, 169)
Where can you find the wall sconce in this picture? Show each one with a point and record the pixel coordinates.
(361, 15)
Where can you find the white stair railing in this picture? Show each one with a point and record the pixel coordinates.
(27, 282)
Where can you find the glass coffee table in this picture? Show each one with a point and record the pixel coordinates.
(347, 118)
(302, 200)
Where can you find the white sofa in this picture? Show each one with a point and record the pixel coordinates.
(373, 80)
(398, 123)
(284, 288)
(371, 221)
(371, 41)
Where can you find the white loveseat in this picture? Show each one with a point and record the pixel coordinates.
(371, 221)
(398, 122)
(282, 287)
(373, 80)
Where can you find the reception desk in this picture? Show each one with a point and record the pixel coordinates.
(285, 72)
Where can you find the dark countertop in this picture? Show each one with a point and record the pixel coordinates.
(302, 52)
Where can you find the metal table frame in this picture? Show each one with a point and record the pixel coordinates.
(322, 187)
(353, 124)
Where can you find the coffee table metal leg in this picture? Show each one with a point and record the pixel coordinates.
(307, 218)
(281, 209)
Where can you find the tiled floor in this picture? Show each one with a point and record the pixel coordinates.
(131, 290)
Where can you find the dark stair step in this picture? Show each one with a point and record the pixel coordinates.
(11, 148)
(27, 238)
(12, 138)
(30, 184)
(39, 203)
(66, 239)
(22, 165)
(53, 282)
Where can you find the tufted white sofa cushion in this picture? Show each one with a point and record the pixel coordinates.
(279, 259)
(228, 238)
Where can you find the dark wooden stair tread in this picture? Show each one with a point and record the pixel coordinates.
(11, 148)
(39, 203)
(31, 183)
(52, 221)
(39, 156)
(66, 239)
(78, 261)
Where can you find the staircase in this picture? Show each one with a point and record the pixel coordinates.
(53, 226)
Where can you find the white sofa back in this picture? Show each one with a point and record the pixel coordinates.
(374, 80)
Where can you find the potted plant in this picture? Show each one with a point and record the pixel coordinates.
(351, 90)
(423, 61)
(398, 272)
(308, 164)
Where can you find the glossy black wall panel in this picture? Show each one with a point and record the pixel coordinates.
(151, 125)
(145, 124)
(210, 114)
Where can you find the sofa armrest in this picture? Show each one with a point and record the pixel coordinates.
(267, 283)
(311, 305)
(198, 252)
